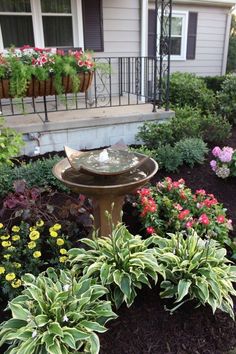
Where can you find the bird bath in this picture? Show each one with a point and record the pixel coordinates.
(106, 177)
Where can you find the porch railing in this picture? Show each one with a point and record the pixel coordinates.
(129, 81)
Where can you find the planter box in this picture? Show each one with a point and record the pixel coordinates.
(46, 88)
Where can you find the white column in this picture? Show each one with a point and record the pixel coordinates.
(1, 40)
(37, 23)
(144, 40)
(78, 30)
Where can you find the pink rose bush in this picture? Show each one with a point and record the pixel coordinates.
(171, 206)
(224, 164)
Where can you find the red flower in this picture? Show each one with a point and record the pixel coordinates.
(200, 192)
(144, 192)
(183, 214)
(220, 219)
(150, 230)
(182, 195)
(203, 219)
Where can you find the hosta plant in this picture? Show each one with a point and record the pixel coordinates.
(196, 269)
(56, 314)
(122, 263)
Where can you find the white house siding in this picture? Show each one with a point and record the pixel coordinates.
(121, 24)
(211, 29)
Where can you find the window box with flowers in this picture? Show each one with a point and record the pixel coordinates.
(34, 72)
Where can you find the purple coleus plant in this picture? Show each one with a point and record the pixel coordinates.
(224, 164)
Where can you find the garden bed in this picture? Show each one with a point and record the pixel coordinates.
(146, 327)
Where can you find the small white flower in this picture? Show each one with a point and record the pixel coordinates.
(66, 287)
(34, 334)
(65, 319)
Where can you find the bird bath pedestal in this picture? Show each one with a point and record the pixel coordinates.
(106, 177)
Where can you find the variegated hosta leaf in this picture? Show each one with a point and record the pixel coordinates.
(196, 269)
(122, 262)
(57, 314)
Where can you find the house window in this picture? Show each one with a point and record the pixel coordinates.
(57, 23)
(16, 27)
(179, 21)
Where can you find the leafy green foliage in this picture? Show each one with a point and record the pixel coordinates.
(10, 143)
(188, 123)
(122, 263)
(188, 89)
(192, 150)
(214, 83)
(56, 314)
(196, 269)
(169, 158)
(38, 173)
(226, 98)
(231, 64)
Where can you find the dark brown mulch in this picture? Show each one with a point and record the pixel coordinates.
(146, 328)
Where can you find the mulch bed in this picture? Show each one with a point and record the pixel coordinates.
(146, 328)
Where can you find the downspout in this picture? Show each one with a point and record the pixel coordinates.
(226, 41)
(144, 44)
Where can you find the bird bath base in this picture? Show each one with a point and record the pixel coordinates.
(106, 191)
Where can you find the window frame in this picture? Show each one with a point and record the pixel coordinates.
(184, 35)
(37, 21)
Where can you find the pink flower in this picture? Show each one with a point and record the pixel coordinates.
(220, 219)
(203, 219)
(200, 192)
(183, 214)
(213, 165)
(144, 192)
(226, 154)
(189, 224)
(216, 151)
(150, 230)
(178, 206)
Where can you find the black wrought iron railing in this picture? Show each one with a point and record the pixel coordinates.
(129, 81)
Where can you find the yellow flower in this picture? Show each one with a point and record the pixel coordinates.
(53, 233)
(2, 270)
(15, 228)
(37, 254)
(7, 256)
(39, 223)
(15, 237)
(62, 259)
(10, 276)
(31, 245)
(1, 225)
(32, 228)
(16, 283)
(5, 237)
(63, 251)
(17, 265)
(56, 227)
(60, 242)
(6, 243)
(11, 248)
(34, 235)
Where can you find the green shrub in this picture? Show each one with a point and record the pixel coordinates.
(38, 173)
(169, 158)
(192, 150)
(188, 123)
(122, 263)
(196, 269)
(188, 89)
(227, 98)
(154, 134)
(215, 129)
(10, 143)
(56, 314)
(214, 83)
